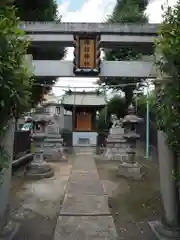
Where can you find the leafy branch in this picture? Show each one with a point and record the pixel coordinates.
(168, 97)
(15, 78)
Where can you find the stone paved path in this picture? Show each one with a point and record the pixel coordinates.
(85, 213)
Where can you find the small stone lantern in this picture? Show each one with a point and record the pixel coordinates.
(130, 168)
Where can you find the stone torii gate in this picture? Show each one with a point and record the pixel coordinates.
(87, 40)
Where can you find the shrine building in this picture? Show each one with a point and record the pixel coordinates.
(84, 107)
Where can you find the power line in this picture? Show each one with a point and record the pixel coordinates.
(87, 87)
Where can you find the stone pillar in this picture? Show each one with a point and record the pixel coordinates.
(167, 181)
(169, 193)
(5, 175)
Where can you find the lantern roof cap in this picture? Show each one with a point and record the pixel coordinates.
(131, 117)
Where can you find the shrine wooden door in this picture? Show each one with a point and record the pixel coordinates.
(84, 121)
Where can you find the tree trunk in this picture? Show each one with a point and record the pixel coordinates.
(128, 95)
(16, 124)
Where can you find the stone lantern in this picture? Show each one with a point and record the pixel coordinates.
(130, 168)
(39, 136)
(38, 168)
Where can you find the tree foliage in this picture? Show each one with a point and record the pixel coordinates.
(142, 105)
(38, 10)
(103, 122)
(15, 78)
(116, 105)
(125, 11)
(43, 11)
(168, 98)
(129, 11)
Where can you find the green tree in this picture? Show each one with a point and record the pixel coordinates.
(142, 105)
(116, 105)
(15, 78)
(40, 10)
(103, 122)
(168, 98)
(125, 11)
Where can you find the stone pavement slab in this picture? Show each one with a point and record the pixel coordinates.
(80, 176)
(85, 228)
(84, 163)
(85, 184)
(76, 187)
(85, 205)
(85, 213)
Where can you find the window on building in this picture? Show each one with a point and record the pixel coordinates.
(58, 110)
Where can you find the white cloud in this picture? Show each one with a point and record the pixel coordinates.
(91, 11)
(97, 11)
(154, 9)
(62, 8)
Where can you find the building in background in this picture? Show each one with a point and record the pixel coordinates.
(52, 110)
(84, 107)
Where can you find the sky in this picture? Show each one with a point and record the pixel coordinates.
(95, 11)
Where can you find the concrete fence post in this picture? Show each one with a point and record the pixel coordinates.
(167, 180)
(169, 228)
(5, 175)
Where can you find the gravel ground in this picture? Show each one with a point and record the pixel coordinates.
(35, 205)
(132, 202)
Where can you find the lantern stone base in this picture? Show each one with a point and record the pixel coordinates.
(133, 170)
(163, 233)
(39, 171)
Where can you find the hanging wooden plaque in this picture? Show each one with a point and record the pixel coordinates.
(86, 55)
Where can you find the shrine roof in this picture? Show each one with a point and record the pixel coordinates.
(84, 99)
